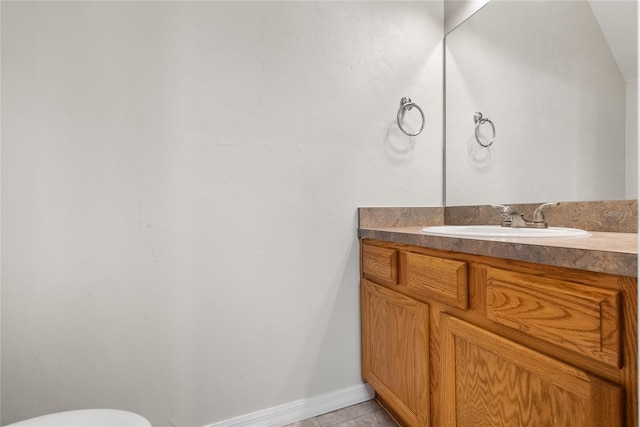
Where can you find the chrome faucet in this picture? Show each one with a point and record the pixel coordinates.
(514, 219)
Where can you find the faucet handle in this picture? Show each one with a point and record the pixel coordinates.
(508, 215)
(538, 214)
(505, 209)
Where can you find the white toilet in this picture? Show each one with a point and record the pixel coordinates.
(86, 418)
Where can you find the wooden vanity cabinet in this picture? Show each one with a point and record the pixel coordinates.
(451, 339)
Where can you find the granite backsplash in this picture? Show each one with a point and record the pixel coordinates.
(619, 216)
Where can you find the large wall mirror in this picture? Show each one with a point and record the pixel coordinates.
(558, 81)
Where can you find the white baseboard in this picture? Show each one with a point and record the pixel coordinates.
(302, 409)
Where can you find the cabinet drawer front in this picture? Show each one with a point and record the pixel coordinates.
(380, 264)
(443, 280)
(577, 317)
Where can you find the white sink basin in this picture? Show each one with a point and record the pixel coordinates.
(497, 231)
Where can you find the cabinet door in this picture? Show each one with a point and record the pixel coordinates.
(490, 381)
(395, 351)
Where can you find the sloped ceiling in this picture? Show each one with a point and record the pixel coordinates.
(618, 20)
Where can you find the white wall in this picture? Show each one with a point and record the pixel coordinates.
(0, 214)
(619, 23)
(179, 187)
(618, 20)
(631, 141)
(543, 73)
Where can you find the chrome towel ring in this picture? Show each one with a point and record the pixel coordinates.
(406, 105)
(479, 120)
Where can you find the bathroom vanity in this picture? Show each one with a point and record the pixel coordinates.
(500, 332)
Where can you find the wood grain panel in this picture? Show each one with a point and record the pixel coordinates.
(581, 318)
(441, 279)
(629, 373)
(491, 381)
(380, 264)
(620, 321)
(395, 352)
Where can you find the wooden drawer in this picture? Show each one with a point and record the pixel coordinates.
(440, 279)
(380, 264)
(581, 318)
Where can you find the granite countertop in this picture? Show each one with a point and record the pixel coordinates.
(605, 252)
(613, 252)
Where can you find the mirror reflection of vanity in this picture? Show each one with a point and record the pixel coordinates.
(556, 83)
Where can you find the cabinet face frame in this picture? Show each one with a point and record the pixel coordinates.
(601, 400)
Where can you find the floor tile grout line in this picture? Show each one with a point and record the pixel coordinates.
(373, 405)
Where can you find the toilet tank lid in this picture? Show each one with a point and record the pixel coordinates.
(86, 418)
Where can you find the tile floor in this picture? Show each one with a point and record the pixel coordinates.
(365, 414)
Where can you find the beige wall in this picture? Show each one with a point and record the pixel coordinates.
(179, 187)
